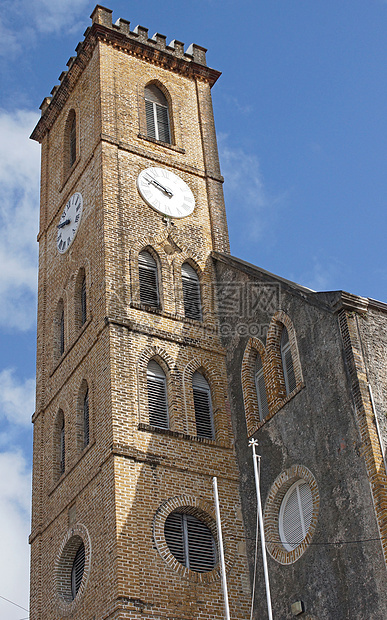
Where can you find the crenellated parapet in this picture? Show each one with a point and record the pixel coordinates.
(155, 49)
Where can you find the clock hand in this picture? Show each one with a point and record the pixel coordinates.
(157, 184)
(63, 224)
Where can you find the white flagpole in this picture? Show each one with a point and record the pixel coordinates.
(253, 443)
(221, 552)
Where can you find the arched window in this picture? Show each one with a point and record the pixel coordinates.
(86, 433)
(190, 541)
(80, 298)
(147, 274)
(61, 332)
(295, 515)
(260, 386)
(203, 407)
(59, 446)
(287, 362)
(157, 114)
(70, 141)
(83, 300)
(191, 293)
(157, 396)
(77, 570)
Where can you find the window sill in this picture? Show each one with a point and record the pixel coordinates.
(280, 405)
(58, 482)
(59, 361)
(68, 173)
(166, 145)
(148, 428)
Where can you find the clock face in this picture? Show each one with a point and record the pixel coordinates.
(165, 192)
(69, 222)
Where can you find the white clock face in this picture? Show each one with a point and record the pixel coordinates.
(69, 222)
(165, 192)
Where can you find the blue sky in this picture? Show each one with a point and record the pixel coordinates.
(301, 117)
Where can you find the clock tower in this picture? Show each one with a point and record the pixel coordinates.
(132, 419)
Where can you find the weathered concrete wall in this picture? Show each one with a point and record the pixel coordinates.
(337, 576)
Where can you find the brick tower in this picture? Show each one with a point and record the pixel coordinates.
(132, 420)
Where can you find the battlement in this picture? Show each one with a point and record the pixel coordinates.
(195, 55)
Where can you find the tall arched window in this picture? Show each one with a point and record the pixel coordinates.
(83, 300)
(86, 432)
(203, 407)
(287, 362)
(157, 114)
(148, 278)
(70, 142)
(157, 396)
(59, 446)
(260, 386)
(73, 140)
(191, 293)
(61, 332)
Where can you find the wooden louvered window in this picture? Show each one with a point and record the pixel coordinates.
(295, 515)
(190, 541)
(147, 273)
(260, 386)
(203, 407)
(157, 396)
(77, 570)
(62, 447)
(61, 333)
(157, 115)
(191, 293)
(287, 362)
(73, 140)
(86, 433)
(83, 301)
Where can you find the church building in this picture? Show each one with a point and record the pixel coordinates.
(160, 355)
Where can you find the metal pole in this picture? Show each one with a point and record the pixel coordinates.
(254, 443)
(221, 552)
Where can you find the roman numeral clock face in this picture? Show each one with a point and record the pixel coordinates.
(165, 192)
(69, 222)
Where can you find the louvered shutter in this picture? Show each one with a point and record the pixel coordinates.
(287, 362)
(86, 419)
(147, 273)
(150, 119)
(203, 407)
(83, 301)
(295, 515)
(73, 141)
(77, 570)
(174, 536)
(162, 124)
(260, 386)
(190, 541)
(201, 546)
(157, 396)
(191, 293)
(62, 448)
(61, 333)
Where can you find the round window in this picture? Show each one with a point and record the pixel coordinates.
(295, 515)
(190, 541)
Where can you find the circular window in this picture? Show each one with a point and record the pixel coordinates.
(190, 541)
(184, 531)
(290, 514)
(295, 515)
(72, 568)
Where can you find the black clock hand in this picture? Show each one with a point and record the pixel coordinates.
(63, 224)
(157, 184)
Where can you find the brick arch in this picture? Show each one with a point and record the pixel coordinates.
(164, 90)
(273, 344)
(151, 245)
(68, 161)
(249, 390)
(167, 363)
(74, 536)
(217, 387)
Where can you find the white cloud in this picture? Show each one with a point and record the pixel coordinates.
(15, 494)
(17, 398)
(19, 208)
(56, 15)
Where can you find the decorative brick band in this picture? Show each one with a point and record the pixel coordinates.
(74, 537)
(203, 511)
(272, 509)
